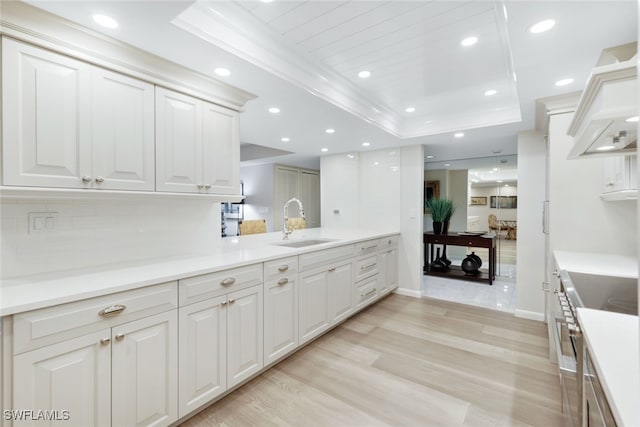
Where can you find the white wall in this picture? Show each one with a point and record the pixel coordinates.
(339, 187)
(531, 240)
(384, 196)
(258, 189)
(91, 233)
(580, 219)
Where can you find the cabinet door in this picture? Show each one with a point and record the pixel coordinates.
(286, 187)
(145, 371)
(221, 150)
(615, 174)
(314, 310)
(122, 132)
(340, 289)
(45, 117)
(280, 318)
(203, 353)
(389, 263)
(73, 375)
(310, 197)
(244, 334)
(178, 142)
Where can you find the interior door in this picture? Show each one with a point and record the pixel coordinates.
(310, 197)
(286, 187)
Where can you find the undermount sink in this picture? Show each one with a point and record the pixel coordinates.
(303, 243)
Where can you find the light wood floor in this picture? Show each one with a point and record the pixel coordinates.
(406, 362)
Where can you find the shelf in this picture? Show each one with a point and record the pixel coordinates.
(616, 196)
(456, 272)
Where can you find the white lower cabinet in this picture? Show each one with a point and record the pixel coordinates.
(280, 318)
(388, 260)
(121, 376)
(326, 298)
(220, 345)
(73, 375)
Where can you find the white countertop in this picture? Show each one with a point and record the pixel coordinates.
(44, 290)
(612, 339)
(597, 264)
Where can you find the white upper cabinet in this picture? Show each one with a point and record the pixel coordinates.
(221, 149)
(69, 124)
(122, 132)
(197, 145)
(46, 117)
(178, 142)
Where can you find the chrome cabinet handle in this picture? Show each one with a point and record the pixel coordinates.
(224, 302)
(105, 341)
(119, 337)
(208, 186)
(87, 179)
(389, 241)
(283, 268)
(555, 273)
(370, 247)
(231, 300)
(331, 270)
(200, 186)
(112, 310)
(366, 267)
(99, 180)
(228, 281)
(283, 281)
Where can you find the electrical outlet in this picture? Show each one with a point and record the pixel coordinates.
(42, 222)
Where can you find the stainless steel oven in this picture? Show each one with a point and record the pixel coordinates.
(569, 349)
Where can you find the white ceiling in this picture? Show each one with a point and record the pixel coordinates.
(304, 58)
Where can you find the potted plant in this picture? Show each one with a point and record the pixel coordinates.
(439, 210)
(450, 210)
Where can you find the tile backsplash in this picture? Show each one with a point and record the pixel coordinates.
(99, 232)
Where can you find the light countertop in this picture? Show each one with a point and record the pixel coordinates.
(612, 339)
(44, 290)
(597, 264)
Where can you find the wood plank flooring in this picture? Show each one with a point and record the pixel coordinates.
(406, 362)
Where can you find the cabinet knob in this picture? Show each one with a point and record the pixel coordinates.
(555, 273)
(283, 268)
(105, 341)
(207, 187)
(228, 281)
(99, 179)
(283, 281)
(112, 310)
(231, 300)
(224, 302)
(87, 179)
(200, 186)
(119, 337)
(331, 270)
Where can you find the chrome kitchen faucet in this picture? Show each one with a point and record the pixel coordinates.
(286, 230)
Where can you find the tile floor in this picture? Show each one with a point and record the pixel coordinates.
(499, 296)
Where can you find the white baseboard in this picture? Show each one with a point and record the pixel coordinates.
(408, 292)
(531, 315)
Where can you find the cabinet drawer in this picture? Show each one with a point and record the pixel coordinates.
(387, 242)
(281, 267)
(199, 288)
(37, 328)
(366, 266)
(319, 258)
(366, 247)
(366, 292)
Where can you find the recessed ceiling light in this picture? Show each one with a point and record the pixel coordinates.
(410, 109)
(458, 134)
(274, 110)
(223, 72)
(606, 148)
(105, 21)
(366, 144)
(542, 26)
(430, 156)
(447, 164)
(564, 82)
(285, 139)
(376, 163)
(330, 130)
(364, 74)
(632, 119)
(324, 150)
(469, 41)
(490, 92)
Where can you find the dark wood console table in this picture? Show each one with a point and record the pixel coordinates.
(454, 239)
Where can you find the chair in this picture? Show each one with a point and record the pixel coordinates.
(296, 223)
(494, 224)
(252, 226)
